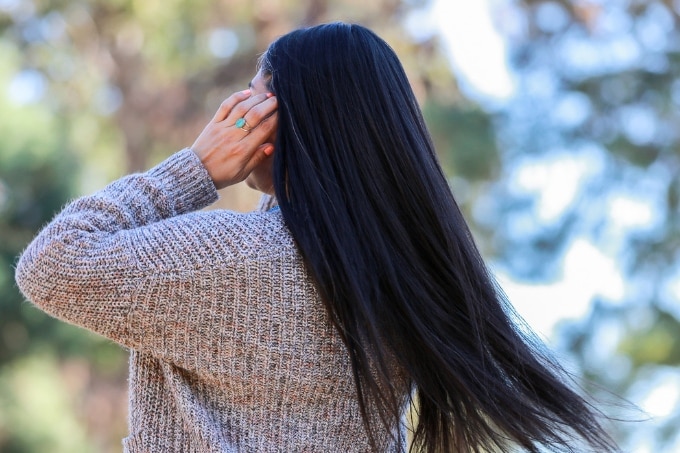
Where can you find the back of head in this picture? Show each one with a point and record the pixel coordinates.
(348, 112)
(371, 212)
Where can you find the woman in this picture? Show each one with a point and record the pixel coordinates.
(311, 326)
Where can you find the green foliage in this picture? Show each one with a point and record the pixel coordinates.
(38, 174)
(655, 343)
(464, 140)
(600, 79)
(34, 184)
(37, 412)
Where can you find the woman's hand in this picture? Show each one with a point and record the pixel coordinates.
(230, 152)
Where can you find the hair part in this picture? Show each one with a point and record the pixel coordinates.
(360, 188)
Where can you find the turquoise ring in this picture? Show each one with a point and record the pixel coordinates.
(241, 123)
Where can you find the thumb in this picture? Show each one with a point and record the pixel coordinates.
(266, 148)
(262, 152)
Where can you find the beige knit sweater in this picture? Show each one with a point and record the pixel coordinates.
(231, 348)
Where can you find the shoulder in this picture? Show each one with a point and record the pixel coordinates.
(206, 238)
(259, 233)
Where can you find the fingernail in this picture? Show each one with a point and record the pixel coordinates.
(270, 95)
(244, 92)
(268, 150)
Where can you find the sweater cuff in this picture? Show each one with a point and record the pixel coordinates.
(186, 181)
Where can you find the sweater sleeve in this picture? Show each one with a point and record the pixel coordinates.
(87, 264)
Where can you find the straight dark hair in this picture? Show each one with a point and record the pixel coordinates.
(361, 190)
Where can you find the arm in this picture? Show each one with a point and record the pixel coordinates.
(89, 264)
(85, 265)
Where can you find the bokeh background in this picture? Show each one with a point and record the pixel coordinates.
(557, 121)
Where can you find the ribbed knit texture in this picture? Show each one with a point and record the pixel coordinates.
(230, 347)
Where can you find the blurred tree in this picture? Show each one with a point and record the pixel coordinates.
(135, 79)
(114, 85)
(21, 216)
(597, 108)
(37, 169)
(157, 69)
(97, 88)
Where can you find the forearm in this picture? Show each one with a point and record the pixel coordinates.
(83, 266)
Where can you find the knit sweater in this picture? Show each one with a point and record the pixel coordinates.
(230, 346)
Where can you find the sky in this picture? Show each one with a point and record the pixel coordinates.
(477, 52)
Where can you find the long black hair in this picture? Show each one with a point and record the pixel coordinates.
(361, 190)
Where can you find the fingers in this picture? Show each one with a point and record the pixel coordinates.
(230, 154)
(265, 122)
(259, 160)
(255, 151)
(260, 111)
(253, 110)
(228, 105)
(261, 153)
